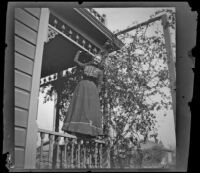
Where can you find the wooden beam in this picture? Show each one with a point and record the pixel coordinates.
(139, 25)
(32, 129)
(170, 62)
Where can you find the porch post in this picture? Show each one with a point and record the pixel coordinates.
(32, 129)
(171, 63)
(56, 118)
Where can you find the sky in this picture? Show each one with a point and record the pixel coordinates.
(119, 19)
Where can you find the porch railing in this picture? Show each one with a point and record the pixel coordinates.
(60, 151)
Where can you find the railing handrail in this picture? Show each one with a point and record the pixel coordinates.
(64, 135)
(56, 133)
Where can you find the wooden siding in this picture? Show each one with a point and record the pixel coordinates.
(21, 98)
(20, 137)
(22, 80)
(26, 32)
(24, 47)
(21, 116)
(34, 11)
(26, 18)
(19, 157)
(24, 64)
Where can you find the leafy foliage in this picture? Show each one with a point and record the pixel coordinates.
(137, 79)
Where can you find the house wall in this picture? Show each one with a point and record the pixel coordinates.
(26, 25)
(29, 25)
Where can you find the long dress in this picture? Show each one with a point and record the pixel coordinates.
(84, 116)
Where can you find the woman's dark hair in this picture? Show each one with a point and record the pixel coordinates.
(85, 57)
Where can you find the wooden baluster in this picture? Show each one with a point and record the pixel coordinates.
(42, 135)
(87, 154)
(96, 151)
(78, 152)
(57, 153)
(108, 153)
(100, 155)
(51, 140)
(84, 154)
(60, 160)
(72, 153)
(90, 155)
(98, 163)
(67, 155)
(81, 154)
(65, 152)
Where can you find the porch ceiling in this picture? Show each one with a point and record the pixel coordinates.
(58, 55)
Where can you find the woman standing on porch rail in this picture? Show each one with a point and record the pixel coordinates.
(84, 118)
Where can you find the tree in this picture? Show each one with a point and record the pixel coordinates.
(137, 73)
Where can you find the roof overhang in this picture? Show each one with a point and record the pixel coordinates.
(59, 52)
(99, 26)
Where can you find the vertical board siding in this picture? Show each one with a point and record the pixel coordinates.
(23, 64)
(19, 157)
(25, 32)
(34, 11)
(22, 80)
(20, 137)
(24, 47)
(26, 18)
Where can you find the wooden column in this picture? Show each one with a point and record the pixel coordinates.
(56, 118)
(31, 137)
(171, 63)
(58, 86)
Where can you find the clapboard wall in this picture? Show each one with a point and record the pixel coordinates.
(26, 31)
